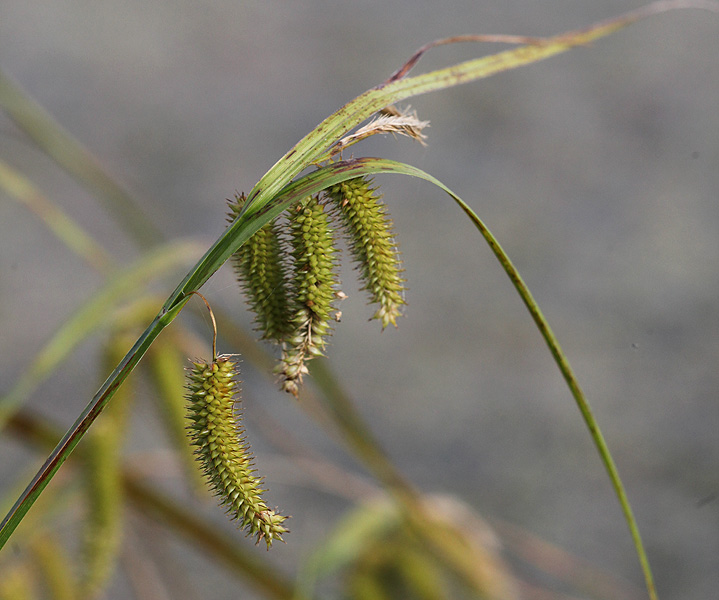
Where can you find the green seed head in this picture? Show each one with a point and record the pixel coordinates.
(371, 243)
(313, 290)
(261, 272)
(222, 451)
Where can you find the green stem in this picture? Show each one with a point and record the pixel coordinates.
(81, 425)
(373, 165)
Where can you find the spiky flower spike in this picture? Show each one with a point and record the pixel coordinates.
(261, 273)
(222, 450)
(313, 289)
(369, 232)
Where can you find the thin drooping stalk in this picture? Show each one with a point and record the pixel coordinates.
(555, 349)
(576, 390)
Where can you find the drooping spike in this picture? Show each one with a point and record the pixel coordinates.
(371, 243)
(223, 452)
(313, 290)
(261, 272)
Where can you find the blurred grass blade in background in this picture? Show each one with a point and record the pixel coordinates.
(55, 219)
(76, 160)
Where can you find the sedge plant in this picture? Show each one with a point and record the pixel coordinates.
(281, 240)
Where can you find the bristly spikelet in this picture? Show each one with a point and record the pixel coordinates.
(261, 271)
(313, 289)
(369, 232)
(222, 450)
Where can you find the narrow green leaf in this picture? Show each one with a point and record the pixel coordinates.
(554, 347)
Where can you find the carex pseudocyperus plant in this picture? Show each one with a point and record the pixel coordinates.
(281, 239)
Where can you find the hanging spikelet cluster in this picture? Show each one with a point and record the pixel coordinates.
(222, 450)
(289, 271)
(369, 232)
(260, 269)
(313, 288)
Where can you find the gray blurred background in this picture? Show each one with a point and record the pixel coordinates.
(597, 170)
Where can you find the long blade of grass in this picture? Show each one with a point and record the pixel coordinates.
(574, 387)
(386, 166)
